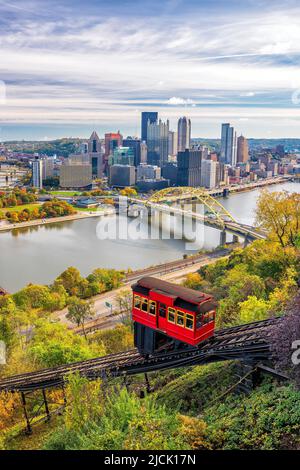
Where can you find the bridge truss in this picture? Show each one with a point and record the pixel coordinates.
(212, 205)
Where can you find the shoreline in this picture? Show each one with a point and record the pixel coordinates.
(54, 220)
(84, 215)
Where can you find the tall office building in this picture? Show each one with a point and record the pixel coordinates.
(208, 173)
(173, 144)
(189, 168)
(94, 143)
(144, 152)
(228, 145)
(242, 150)
(122, 175)
(147, 117)
(112, 140)
(95, 155)
(158, 143)
(37, 173)
(75, 174)
(122, 156)
(48, 167)
(135, 145)
(184, 134)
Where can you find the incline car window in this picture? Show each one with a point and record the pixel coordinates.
(180, 318)
(189, 321)
(144, 306)
(171, 315)
(137, 301)
(162, 310)
(152, 307)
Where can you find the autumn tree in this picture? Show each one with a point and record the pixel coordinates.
(278, 213)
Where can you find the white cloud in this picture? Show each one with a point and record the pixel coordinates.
(82, 68)
(175, 101)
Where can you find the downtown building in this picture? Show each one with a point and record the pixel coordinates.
(242, 150)
(75, 174)
(189, 168)
(95, 155)
(37, 173)
(121, 169)
(228, 153)
(209, 169)
(184, 134)
(146, 118)
(111, 141)
(158, 143)
(135, 145)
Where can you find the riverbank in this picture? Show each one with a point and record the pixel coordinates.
(7, 226)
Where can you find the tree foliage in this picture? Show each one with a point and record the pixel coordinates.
(279, 214)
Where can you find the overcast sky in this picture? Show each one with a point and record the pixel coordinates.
(70, 66)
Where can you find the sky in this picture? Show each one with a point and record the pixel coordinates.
(68, 67)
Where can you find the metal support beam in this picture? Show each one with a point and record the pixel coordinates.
(46, 404)
(28, 426)
(148, 387)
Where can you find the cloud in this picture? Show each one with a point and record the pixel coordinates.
(114, 57)
(176, 101)
(248, 93)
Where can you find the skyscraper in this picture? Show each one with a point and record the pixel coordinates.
(147, 116)
(173, 143)
(242, 150)
(112, 140)
(189, 168)
(95, 155)
(184, 134)
(208, 173)
(94, 144)
(37, 173)
(158, 143)
(228, 145)
(135, 145)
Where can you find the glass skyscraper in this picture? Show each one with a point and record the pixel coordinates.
(147, 116)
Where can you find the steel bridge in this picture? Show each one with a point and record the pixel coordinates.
(215, 215)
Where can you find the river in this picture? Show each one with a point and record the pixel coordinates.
(39, 254)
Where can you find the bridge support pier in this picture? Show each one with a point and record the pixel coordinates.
(246, 241)
(235, 239)
(223, 238)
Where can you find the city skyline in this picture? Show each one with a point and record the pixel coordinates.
(66, 71)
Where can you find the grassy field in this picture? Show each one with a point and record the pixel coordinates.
(91, 209)
(19, 208)
(65, 193)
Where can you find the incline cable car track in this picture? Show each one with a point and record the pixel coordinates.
(245, 342)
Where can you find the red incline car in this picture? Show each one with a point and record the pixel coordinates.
(168, 316)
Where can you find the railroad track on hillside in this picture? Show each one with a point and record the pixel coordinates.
(245, 342)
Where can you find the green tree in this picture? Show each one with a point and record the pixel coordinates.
(79, 311)
(253, 309)
(53, 344)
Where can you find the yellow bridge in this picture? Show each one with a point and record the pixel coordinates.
(215, 215)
